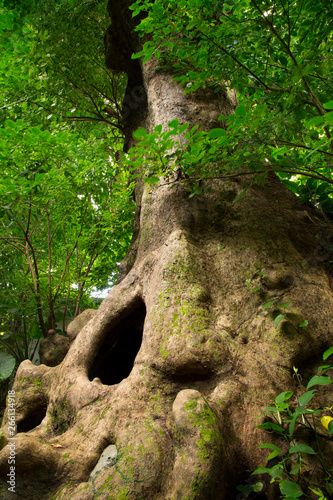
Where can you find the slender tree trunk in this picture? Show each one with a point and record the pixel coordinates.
(33, 267)
(193, 305)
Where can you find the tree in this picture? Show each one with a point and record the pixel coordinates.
(64, 200)
(61, 223)
(219, 299)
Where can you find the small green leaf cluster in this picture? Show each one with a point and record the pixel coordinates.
(221, 153)
(197, 154)
(280, 315)
(160, 151)
(285, 419)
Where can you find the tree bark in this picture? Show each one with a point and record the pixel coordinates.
(183, 418)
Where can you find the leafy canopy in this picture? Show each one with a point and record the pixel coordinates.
(66, 209)
(277, 55)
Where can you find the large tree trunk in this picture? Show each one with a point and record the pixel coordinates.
(208, 357)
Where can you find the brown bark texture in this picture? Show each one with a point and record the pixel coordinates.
(207, 356)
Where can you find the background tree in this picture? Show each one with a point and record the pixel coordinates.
(219, 300)
(64, 199)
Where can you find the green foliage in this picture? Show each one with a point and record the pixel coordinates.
(277, 56)
(7, 365)
(251, 488)
(66, 209)
(53, 64)
(286, 419)
(64, 202)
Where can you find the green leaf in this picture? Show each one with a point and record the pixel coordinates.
(45, 135)
(265, 306)
(10, 124)
(303, 324)
(270, 446)
(299, 410)
(272, 455)
(261, 470)
(216, 132)
(240, 195)
(283, 60)
(137, 55)
(289, 488)
(329, 351)
(328, 105)
(302, 448)
(247, 489)
(330, 427)
(278, 319)
(240, 110)
(306, 397)
(153, 179)
(173, 123)
(271, 409)
(285, 306)
(328, 117)
(271, 426)
(283, 396)
(183, 128)
(329, 487)
(192, 24)
(324, 367)
(257, 487)
(7, 365)
(319, 380)
(277, 471)
(140, 133)
(35, 130)
(316, 120)
(318, 492)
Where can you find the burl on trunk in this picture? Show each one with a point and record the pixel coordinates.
(171, 372)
